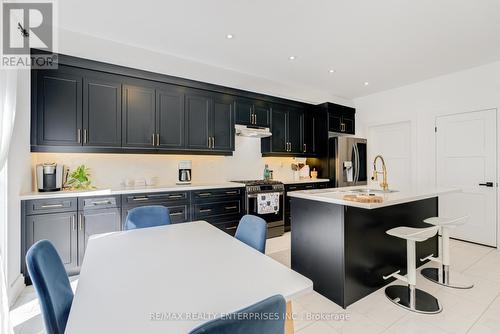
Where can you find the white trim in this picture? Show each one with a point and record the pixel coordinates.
(15, 289)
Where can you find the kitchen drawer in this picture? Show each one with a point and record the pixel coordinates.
(154, 198)
(228, 226)
(203, 210)
(101, 202)
(210, 194)
(300, 186)
(52, 205)
(178, 213)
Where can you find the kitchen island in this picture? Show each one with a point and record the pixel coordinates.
(342, 246)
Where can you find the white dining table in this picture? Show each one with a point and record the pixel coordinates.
(172, 278)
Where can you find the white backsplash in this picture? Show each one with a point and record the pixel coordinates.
(111, 170)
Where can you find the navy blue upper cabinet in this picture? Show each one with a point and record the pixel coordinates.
(295, 130)
(244, 111)
(341, 119)
(198, 120)
(210, 122)
(89, 106)
(287, 128)
(170, 118)
(223, 123)
(102, 110)
(139, 111)
(252, 112)
(58, 105)
(279, 126)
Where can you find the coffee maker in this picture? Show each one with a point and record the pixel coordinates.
(184, 172)
(50, 176)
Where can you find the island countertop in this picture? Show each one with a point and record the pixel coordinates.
(336, 195)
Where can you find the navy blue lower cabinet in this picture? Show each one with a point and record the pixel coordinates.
(69, 222)
(345, 251)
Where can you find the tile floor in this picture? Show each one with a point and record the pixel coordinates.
(464, 311)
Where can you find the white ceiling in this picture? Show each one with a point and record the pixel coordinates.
(388, 43)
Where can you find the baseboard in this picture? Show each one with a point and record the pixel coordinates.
(15, 289)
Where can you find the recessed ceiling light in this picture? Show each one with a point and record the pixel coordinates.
(229, 36)
(331, 71)
(366, 83)
(291, 58)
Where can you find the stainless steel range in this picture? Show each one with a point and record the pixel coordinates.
(275, 221)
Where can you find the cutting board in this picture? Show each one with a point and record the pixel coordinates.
(363, 198)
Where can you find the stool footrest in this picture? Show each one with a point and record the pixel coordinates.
(432, 258)
(396, 275)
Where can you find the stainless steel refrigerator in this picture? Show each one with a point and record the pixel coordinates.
(348, 161)
(345, 162)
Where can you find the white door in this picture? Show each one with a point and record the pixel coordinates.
(466, 158)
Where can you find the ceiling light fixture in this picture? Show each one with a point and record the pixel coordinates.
(291, 58)
(229, 36)
(366, 83)
(331, 71)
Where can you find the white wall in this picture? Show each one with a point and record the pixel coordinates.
(18, 181)
(110, 170)
(419, 104)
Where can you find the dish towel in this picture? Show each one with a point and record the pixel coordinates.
(268, 203)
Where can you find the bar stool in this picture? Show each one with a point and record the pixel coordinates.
(442, 275)
(409, 297)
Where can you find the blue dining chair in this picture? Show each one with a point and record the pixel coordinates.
(51, 284)
(147, 216)
(252, 230)
(266, 316)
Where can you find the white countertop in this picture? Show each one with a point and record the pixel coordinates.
(336, 195)
(147, 189)
(188, 269)
(129, 190)
(305, 180)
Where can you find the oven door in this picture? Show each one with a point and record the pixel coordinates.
(275, 221)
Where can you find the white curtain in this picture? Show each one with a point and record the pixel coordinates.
(8, 88)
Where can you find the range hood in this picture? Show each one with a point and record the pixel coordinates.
(252, 131)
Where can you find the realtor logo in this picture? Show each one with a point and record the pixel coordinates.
(27, 26)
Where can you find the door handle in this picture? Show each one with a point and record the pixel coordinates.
(487, 184)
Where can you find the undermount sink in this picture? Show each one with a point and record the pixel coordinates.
(371, 191)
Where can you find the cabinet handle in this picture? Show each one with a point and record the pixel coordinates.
(205, 194)
(213, 142)
(73, 225)
(78, 136)
(177, 213)
(231, 207)
(142, 198)
(157, 139)
(80, 222)
(153, 139)
(101, 202)
(176, 196)
(205, 210)
(85, 136)
(48, 206)
(305, 148)
(232, 228)
(234, 192)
